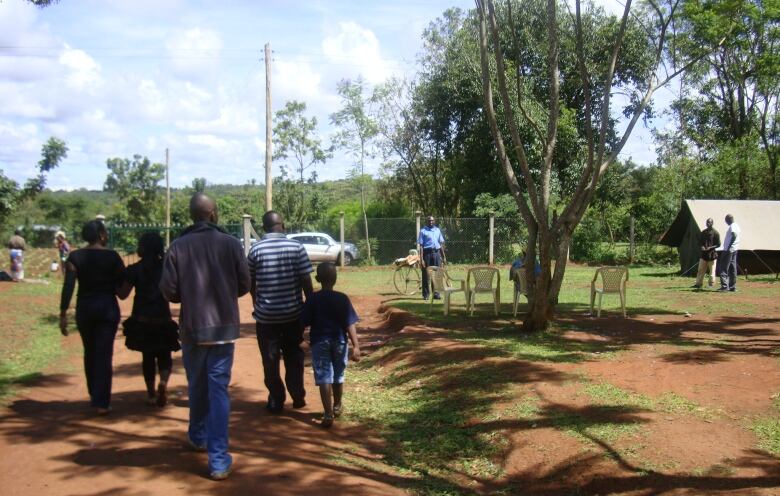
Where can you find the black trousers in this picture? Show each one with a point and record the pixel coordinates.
(97, 320)
(431, 259)
(282, 341)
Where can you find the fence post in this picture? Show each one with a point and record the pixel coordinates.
(247, 228)
(341, 237)
(492, 233)
(631, 243)
(417, 215)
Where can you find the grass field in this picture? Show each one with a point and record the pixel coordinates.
(470, 405)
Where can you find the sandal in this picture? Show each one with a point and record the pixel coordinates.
(337, 409)
(327, 421)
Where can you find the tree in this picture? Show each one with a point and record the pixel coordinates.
(356, 135)
(530, 98)
(735, 89)
(53, 152)
(136, 184)
(295, 138)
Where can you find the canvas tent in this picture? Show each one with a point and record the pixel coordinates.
(759, 249)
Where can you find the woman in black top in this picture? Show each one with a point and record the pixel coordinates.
(150, 328)
(99, 272)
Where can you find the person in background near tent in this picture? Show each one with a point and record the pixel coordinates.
(709, 241)
(150, 328)
(205, 270)
(431, 244)
(727, 262)
(63, 249)
(99, 272)
(16, 245)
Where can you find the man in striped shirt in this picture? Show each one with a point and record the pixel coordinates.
(280, 270)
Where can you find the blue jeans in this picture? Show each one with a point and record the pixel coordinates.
(329, 358)
(208, 375)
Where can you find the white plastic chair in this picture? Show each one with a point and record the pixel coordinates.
(613, 280)
(443, 284)
(521, 288)
(483, 278)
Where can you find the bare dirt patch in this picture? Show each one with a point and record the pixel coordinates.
(556, 436)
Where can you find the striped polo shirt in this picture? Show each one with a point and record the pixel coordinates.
(276, 264)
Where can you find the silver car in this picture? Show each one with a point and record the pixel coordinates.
(322, 248)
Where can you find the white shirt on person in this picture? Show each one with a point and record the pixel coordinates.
(735, 233)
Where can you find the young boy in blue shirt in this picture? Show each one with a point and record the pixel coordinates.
(332, 318)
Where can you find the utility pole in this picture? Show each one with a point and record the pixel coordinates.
(268, 131)
(167, 201)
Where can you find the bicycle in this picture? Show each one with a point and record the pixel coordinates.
(407, 278)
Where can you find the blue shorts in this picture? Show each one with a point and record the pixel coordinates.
(329, 360)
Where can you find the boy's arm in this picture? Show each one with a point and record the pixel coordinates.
(352, 332)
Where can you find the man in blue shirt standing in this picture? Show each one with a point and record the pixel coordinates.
(431, 245)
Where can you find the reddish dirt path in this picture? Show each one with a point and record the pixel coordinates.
(52, 443)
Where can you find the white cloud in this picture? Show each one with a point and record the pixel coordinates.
(355, 45)
(195, 53)
(82, 71)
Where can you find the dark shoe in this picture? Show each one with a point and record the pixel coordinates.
(337, 409)
(299, 403)
(436, 296)
(696, 286)
(274, 407)
(191, 446)
(723, 290)
(327, 421)
(220, 475)
(104, 411)
(733, 290)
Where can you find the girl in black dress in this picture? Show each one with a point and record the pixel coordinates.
(99, 272)
(150, 328)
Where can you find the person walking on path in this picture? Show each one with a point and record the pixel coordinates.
(205, 270)
(280, 270)
(727, 262)
(63, 249)
(430, 242)
(709, 241)
(332, 319)
(150, 328)
(99, 272)
(16, 246)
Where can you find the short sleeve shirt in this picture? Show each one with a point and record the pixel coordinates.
(276, 264)
(329, 313)
(733, 230)
(430, 237)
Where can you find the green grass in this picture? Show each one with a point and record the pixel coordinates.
(768, 431)
(30, 335)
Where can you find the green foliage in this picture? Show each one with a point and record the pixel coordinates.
(136, 185)
(52, 153)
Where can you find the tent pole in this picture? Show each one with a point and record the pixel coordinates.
(777, 274)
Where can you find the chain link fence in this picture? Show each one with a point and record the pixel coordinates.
(467, 240)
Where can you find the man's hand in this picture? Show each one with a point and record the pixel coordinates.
(356, 354)
(64, 324)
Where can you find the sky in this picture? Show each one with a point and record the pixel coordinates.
(114, 78)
